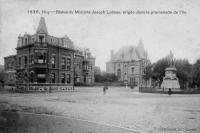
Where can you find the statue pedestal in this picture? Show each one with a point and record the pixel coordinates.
(170, 80)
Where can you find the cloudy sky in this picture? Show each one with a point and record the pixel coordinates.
(160, 33)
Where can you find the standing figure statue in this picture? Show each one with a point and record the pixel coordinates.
(171, 59)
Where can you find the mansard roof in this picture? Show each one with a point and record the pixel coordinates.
(42, 28)
(129, 53)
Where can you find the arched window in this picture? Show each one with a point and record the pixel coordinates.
(132, 70)
(53, 61)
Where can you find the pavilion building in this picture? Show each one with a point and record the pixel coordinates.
(128, 64)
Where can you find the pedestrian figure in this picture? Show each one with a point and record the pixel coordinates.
(105, 88)
(169, 91)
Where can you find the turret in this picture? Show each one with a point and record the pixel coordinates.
(42, 31)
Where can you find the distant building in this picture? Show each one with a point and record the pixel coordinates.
(128, 64)
(44, 62)
(84, 67)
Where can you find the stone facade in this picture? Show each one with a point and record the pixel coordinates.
(128, 64)
(46, 63)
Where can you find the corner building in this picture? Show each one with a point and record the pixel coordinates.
(44, 62)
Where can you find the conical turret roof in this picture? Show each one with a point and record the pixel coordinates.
(42, 26)
(140, 49)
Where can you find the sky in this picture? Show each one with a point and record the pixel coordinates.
(101, 33)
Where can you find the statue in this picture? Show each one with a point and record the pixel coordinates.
(171, 59)
(170, 81)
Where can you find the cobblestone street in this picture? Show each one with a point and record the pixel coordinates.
(120, 106)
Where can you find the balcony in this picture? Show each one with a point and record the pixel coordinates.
(38, 65)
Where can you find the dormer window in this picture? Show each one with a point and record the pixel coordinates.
(65, 42)
(19, 43)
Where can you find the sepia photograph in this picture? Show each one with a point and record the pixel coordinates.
(99, 66)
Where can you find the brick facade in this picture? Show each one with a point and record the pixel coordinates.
(48, 63)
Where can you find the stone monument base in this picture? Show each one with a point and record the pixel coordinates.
(173, 84)
(170, 81)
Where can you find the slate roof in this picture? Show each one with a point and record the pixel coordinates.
(129, 53)
(42, 28)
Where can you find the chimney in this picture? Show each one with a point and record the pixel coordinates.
(111, 54)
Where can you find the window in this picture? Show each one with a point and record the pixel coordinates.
(68, 78)
(31, 79)
(132, 70)
(25, 60)
(53, 60)
(32, 40)
(53, 78)
(19, 61)
(65, 43)
(41, 57)
(68, 63)
(125, 76)
(31, 59)
(63, 63)
(119, 73)
(12, 65)
(85, 66)
(41, 75)
(26, 41)
(63, 78)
